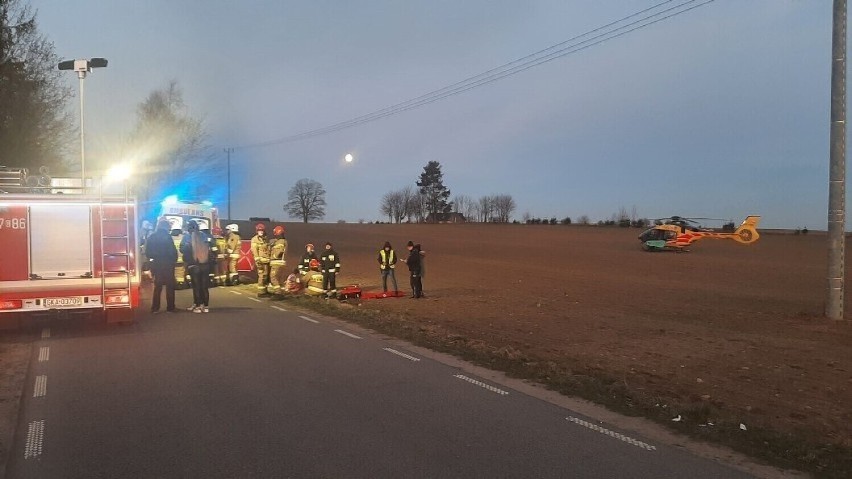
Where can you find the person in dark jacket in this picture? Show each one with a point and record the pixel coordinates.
(305, 264)
(162, 257)
(195, 247)
(330, 262)
(415, 268)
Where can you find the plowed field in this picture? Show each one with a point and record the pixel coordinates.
(736, 327)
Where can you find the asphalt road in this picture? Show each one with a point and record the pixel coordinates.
(253, 391)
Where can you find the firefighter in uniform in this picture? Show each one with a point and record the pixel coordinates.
(305, 264)
(233, 248)
(260, 250)
(221, 257)
(181, 278)
(277, 260)
(312, 279)
(330, 262)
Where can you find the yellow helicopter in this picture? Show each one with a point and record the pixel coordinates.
(676, 233)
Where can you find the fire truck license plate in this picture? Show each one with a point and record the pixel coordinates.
(63, 302)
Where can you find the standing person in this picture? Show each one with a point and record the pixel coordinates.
(233, 247)
(414, 262)
(277, 260)
(196, 252)
(162, 257)
(260, 250)
(330, 262)
(387, 263)
(305, 264)
(221, 269)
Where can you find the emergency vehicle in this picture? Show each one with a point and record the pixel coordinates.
(66, 250)
(179, 213)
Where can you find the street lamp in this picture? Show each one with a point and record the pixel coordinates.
(82, 67)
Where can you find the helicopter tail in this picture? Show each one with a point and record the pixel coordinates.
(747, 232)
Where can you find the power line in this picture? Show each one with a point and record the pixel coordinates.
(514, 67)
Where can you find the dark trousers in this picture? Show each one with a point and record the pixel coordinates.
(200, 293)
(416, 284)
(164, 276)
(329, 282)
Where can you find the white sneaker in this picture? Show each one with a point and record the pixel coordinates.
(192, 308)
(205, 309)
(196, 309)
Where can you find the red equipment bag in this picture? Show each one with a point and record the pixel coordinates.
(381, 295)
(352, 291)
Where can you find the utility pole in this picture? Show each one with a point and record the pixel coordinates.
(837, 167)
(229, 151)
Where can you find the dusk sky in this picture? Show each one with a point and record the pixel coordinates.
(722, 111)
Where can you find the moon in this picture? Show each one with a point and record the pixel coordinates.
(349, 158)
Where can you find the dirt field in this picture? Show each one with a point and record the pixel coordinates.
(725, 333)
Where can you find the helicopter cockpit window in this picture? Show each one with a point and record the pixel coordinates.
(668, 235)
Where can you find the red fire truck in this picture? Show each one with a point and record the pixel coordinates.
(65, 251)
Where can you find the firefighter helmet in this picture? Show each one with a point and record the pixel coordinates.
(260, 227)
(309, 246)
(314, 264)
(278, 231)
(232, 228)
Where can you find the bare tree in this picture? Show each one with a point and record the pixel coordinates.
(306, 200)
(504, 205)
(394, 206)
(35, 126)
(583, 220)
(408, 198)
(486, 208)
(462, 204)
(170, 149)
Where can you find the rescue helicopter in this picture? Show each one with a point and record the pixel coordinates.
(676, 233)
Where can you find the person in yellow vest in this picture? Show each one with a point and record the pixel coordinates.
(387, 264)
(233, 248)
(312, 279)
(277, 260)
(221, 256)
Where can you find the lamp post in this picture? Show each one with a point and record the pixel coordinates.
(82, 67)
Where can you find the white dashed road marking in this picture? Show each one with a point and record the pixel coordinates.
(35, 439)
(235, 292)
(45, 333)
(256, 300)
(347, 334)
(309, 319)
(44, 354)
(482, 384)
(399, 353)
(619, 436)
(279, 309)
(40, 386)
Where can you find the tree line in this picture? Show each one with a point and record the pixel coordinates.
(428, 201)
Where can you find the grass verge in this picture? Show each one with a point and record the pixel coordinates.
(700, 419)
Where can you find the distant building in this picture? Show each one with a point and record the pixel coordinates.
(445, 218)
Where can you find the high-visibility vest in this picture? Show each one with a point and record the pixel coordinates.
(387, 259)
